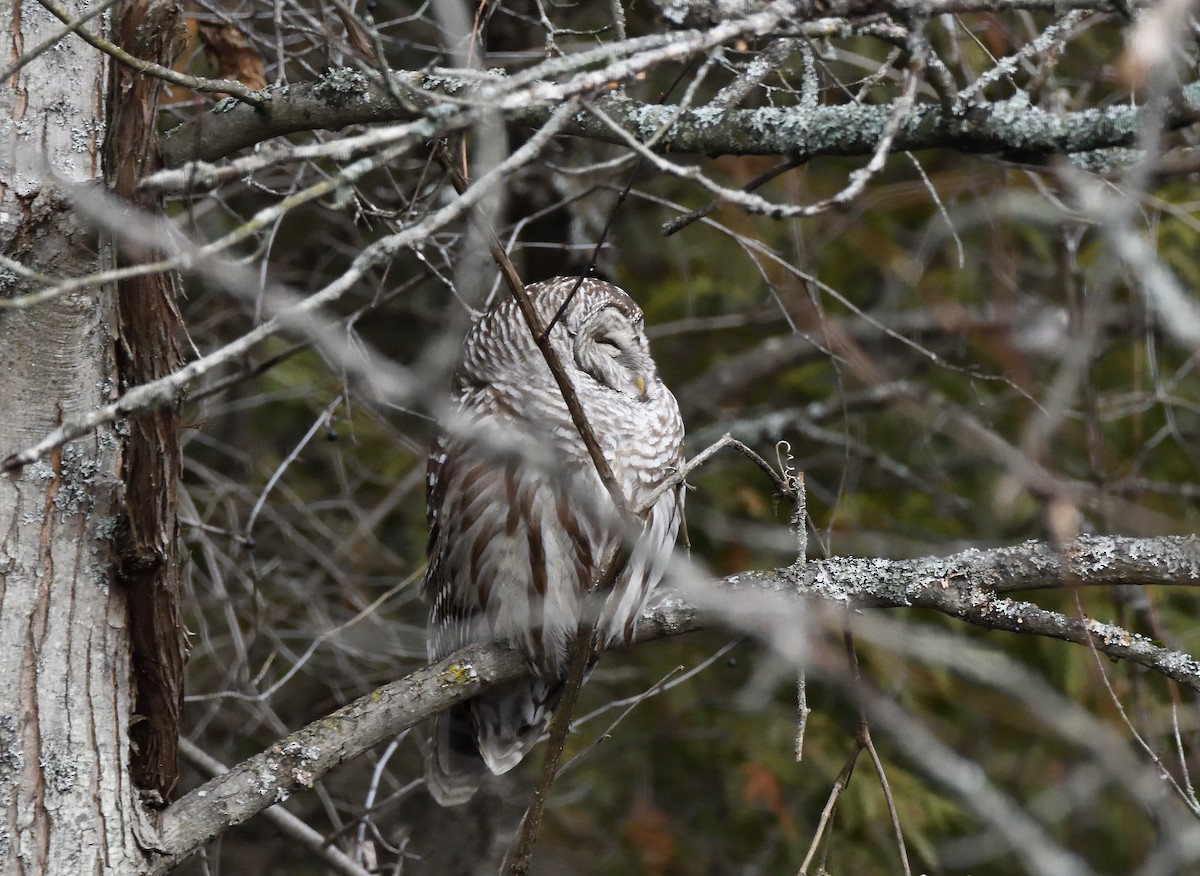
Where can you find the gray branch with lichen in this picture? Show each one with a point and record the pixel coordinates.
(1012, 127)
(969, 586)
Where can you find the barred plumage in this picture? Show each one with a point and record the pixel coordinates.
(519, 522)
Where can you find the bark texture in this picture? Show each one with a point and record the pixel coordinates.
(151, 340)
(66, 801)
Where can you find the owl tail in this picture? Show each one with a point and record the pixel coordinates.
(490, 733)
(453, 767)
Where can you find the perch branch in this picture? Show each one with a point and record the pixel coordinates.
(287, 824)
(965, 585)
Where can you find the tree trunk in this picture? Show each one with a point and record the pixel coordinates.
(68, 803)
(150, 344)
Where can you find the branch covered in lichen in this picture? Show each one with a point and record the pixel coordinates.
(1011, 127)
(966, 585)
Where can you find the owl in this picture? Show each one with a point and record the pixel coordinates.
(520, 524)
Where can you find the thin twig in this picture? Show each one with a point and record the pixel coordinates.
(1185, 794)
(322, 419)
(250, 371)
(668, 681)
(799, 525)
(538, 331)
(681, 222)
(622, 197)
(394, 381)
(193, 256)
(865, 742)
(835, 793)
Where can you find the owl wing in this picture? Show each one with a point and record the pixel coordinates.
(509, 559)
(645, 569)
(653, 456)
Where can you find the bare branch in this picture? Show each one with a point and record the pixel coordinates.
(1012, 126)
(289, 825)
(963, 585)
(302, 313)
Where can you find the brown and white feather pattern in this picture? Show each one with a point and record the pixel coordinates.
(519, 522)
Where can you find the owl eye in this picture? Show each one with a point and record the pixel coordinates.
(608, 342)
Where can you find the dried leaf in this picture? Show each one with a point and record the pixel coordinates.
(648, 829)
(762, 788)
(235, 57)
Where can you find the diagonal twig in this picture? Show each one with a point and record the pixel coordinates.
(538, 330)
(583, 649)
(41, 48)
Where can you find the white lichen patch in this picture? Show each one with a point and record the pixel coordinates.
(341, 83)
(300, 772)
(295, 749)
(1102, 551)
(266, 781)
(58, 771)
(707, 116)
(39, 471)
(1178, 663)
(1111, 635)
(444, 84)
(107, 439)
(106, 528)
(669, 604)
(1011, 608)
(11, 758)
(81, 140)
(823, 585)
(75, 488)
(10, 282)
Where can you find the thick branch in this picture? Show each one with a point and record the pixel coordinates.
(1012, 127)
(706, 13)
(964, 585)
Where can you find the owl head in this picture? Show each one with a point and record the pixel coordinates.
(601, 331)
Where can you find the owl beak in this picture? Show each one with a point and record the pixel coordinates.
(640, 382)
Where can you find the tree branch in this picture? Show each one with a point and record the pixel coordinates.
(1010, 127)
(965, 585)
(705, 13)
(289, 825)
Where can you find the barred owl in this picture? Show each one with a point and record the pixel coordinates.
(520, 523)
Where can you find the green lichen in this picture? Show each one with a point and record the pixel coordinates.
(457, 674)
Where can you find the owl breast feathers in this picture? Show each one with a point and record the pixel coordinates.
(520, 524)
